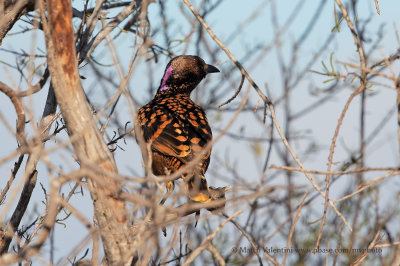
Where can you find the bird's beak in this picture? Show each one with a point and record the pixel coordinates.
(211, 69)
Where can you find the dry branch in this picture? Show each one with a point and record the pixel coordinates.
(12, 11)
(207, 242)
(109, 210)
(19, 109)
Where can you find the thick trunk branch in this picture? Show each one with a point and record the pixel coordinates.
(10, 12)
(86, 139)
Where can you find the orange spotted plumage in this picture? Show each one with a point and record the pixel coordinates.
(176, 127)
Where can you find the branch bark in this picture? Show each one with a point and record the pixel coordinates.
(11, 11)
(85, 136)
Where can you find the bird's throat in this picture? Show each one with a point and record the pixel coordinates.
(165, 78)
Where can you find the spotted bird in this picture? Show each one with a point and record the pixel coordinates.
(177, 128)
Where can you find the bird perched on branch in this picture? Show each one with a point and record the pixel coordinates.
(177, 128)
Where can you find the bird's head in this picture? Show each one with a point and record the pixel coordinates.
(183, 73)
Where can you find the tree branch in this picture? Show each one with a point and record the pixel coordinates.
(109, 209)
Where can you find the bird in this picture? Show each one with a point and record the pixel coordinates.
(177, 128)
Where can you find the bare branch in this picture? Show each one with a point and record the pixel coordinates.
(207, 242)
(19, 109)
(228, 53)
(110, 211)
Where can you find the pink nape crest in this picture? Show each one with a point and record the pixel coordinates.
(165, 78)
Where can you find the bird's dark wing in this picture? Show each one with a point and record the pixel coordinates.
(173, 133)
(164, 132)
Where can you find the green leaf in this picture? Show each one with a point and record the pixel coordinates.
(331, 60)
(324, 66)
(337, 25)
(329, 80)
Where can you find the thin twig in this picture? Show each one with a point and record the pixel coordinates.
(216, 255)
(236, 93)
(37, 87)
(397, 82)
(330, 157)
(302, 167)
(363, 80)
(372, 245)
(246, 235)
(205, 244)
(377, 7)
(293, 226)
(355, 171)
(128, 10)
(19, 109)
(368, 70)
(367, 185)
(17, 165)
(229, 54)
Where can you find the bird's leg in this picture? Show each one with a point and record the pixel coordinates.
(197, 216)
(170, 187)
